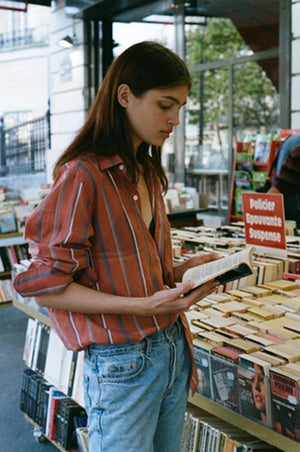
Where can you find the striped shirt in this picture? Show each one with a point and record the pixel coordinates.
(89, 229)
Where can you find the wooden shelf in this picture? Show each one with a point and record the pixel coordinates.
(11, 234)
(14, 238)
(254, 428)
(32, 312)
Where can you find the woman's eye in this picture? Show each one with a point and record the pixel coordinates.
(164, 106)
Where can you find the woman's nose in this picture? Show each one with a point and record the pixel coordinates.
(174, 120)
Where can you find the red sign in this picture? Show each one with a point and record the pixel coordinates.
(284, 133)
(264, 219)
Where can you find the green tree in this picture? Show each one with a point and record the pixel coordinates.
(255, 99)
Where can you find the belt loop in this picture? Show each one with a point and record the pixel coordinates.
(148, 345)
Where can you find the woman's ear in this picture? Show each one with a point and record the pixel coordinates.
(123, 95)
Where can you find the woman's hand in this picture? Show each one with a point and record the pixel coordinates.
(180, 269)
(177, 299)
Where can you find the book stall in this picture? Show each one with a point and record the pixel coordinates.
(246, 335)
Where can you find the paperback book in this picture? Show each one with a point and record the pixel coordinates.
(226, 269)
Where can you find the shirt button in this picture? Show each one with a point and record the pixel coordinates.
(121, 167)
(135, 197)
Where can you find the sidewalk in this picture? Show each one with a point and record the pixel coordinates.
(15, 432)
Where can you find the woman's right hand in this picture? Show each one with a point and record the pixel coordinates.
(177, 299)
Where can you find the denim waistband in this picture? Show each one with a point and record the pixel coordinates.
(171, 333)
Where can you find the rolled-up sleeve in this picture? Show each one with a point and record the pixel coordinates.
(59, 233)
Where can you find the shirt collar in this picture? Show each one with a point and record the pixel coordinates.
(108, 162)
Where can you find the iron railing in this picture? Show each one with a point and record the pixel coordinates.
(23, 147)
(26, 37)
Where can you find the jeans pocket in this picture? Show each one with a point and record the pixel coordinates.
(120, 365)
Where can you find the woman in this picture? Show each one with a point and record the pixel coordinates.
(259, 392)
(103, 259)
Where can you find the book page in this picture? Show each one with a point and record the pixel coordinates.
(211, 270)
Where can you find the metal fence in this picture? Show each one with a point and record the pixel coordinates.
(23, 147)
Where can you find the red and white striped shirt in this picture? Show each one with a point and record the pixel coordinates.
(89, 229)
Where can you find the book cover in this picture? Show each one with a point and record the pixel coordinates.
(261, 339)
(238, 202)
(202, 351)
(257, 291)
(282, 285)
(279, 263)
(244, 157)
(65, 370)
(286, 351)
(80, 432)
(77, 391)
(29, 341)
(5, 262)
(262, 148)
(231, 307)
(242, 345)
(269, 272)
(43, 409)
(239, 330)
(254, 389)
(54, 395)
(285, 402)
(224, 376)
(212, 337)
(43, 349)
(259, 179)
(54, 358)
(243, 167)
(294, 265)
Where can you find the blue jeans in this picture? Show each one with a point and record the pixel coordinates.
(136, 394)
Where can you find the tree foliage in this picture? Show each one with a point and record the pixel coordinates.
(255, 100)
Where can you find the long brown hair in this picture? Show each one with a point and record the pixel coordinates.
(143, 66)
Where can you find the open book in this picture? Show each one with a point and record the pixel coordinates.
(224, 270)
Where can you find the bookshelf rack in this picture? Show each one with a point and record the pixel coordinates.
(9, 239)
(40, 435)
(258, 430)
(257, 166)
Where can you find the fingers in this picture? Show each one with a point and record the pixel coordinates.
(203, 259)
(211, 257)
(202, 291)
(180, 298)
(187, 298)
